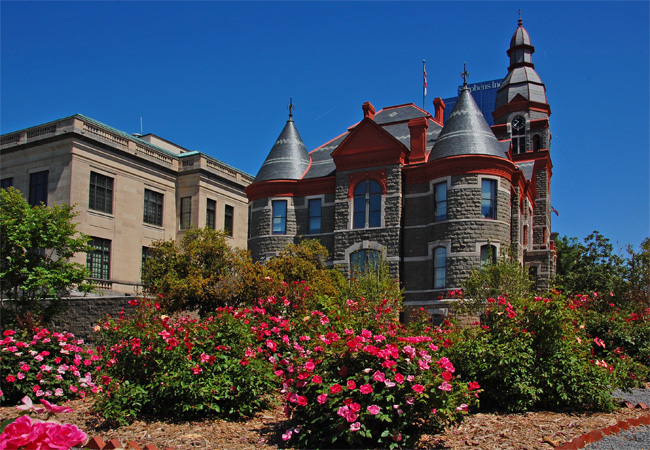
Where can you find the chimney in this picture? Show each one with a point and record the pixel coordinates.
(368, 110)
(440, 110)
(418, 129)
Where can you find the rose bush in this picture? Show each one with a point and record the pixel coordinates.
(50, 365)
(535, 352)
(179, 367)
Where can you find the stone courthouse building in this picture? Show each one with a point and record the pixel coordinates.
(129, 191)
(432, 199)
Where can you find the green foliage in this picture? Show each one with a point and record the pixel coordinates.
(503, 277)
(37, 245)
(180, 368)
(201, 272)
(592, 266)
(534, 353)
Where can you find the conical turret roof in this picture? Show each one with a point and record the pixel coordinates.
(288, 159)
(466, 132)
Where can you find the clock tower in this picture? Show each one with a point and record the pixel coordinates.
(522, 116)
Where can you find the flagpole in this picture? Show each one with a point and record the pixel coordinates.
(424, 89)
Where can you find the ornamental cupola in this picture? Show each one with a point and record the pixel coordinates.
(522, 82)
(288, 159)
(466, 131)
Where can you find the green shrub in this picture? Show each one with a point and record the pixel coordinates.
(533, 352)
(180, 368)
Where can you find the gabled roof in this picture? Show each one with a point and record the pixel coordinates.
(466, 132)
(393, 119)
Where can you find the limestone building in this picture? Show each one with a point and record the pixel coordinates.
(129, 190)
(433, 199)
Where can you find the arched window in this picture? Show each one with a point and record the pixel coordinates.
(364, 261)
(367, 205)
(536, 143)
(439, 267)
(488, 254)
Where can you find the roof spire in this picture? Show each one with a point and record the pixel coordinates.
(519, 22)
(290, 107)
(465, 75)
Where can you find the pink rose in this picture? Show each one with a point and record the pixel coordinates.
(373, 409)
(322, 398)
(351, 385)
(418, 388)
(365, 389)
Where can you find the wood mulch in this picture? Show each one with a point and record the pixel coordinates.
(533, 430)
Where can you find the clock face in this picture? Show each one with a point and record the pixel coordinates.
(518, 122)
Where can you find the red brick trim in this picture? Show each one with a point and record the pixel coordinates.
(596, 435)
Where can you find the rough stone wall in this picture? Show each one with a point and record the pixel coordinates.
(388, 236)
(80, 314)
(462, 233)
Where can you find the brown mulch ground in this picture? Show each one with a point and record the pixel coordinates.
(534, 430)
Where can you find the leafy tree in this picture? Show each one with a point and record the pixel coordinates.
(592, 266)
(201, 272)
(37, 244)
(503, 277)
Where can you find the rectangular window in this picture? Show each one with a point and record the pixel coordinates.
(211, 214)
(439, 267)
(153, 208)
(228, 219)
(279, 208)
(100, 197)
(489, 199)
(98, 261)
(186, 212)
(38, 188)
(314, 215)
(440, 201)
(6, 183)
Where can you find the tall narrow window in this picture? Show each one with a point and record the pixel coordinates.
(100, 197)
(489, 199)
(98, 260)
(488, 254)
(279, 208)
(38, 188)
(364, 261)
(153, 208)
(6, 183)
(367, 205)
(314, 215)
(440, 201)
(211, 214)
(228, 219)
(186, 212)
(439, 267)
(146, 254)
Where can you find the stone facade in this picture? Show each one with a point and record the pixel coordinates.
(76, 148)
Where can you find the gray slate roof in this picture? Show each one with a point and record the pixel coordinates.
(466, 132)
(288, 159)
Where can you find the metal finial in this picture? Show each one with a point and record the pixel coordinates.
(519, 22)
(465, 75)
(290, 107)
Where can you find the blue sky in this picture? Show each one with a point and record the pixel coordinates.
(217, 76)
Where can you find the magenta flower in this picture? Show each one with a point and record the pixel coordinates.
(473, 385)
(55, 409)
(379, 376)
(356, 426)
(321, 398)
(445, 386)
(365, 389)
(399, 378)
(418, 388)
(351, 385)
(335, 389)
